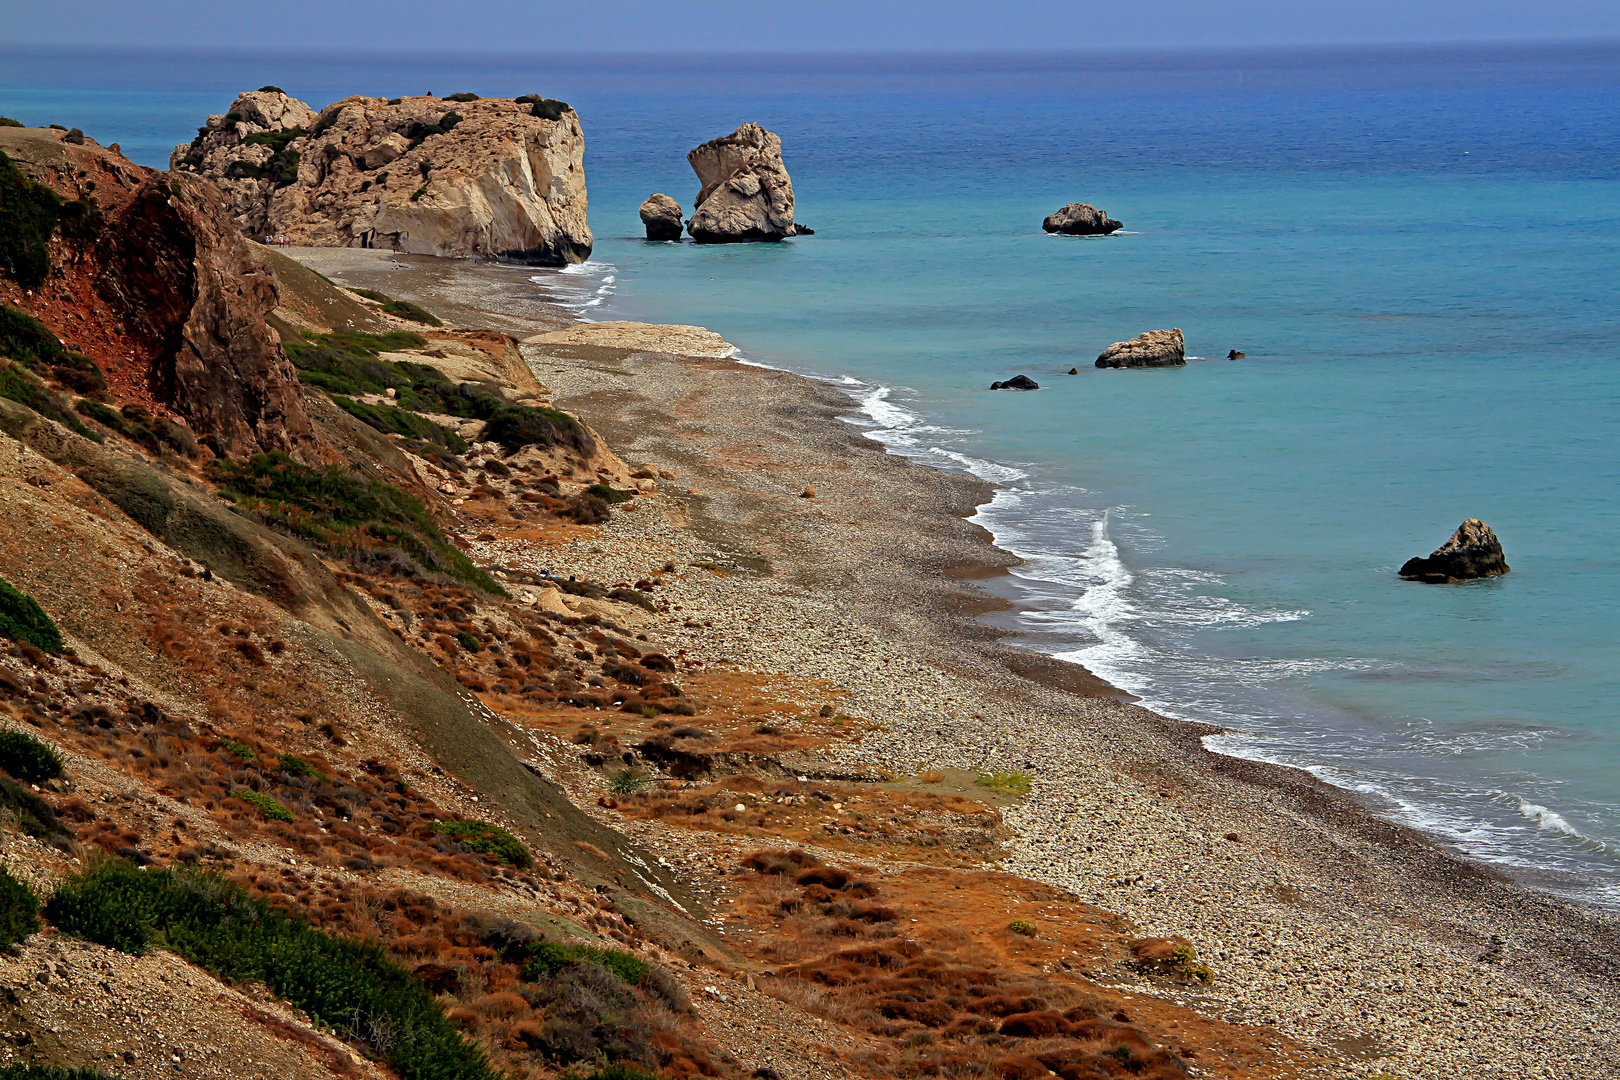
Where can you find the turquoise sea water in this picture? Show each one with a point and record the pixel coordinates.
(1418, 250)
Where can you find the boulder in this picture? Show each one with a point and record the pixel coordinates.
(492, 176)
(1080, 219)
(1472, 552)
(1017, 382)
(662, 216)
(746, 193)
(1156, 348)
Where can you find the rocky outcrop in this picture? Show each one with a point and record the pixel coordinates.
(1017, 382)
(1080, 219)
(662, 217)
(1156, 348)
(746, 192)
(152, 281)
(1472, 552)
(489, 176)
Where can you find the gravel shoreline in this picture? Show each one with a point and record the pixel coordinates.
(1337, 928)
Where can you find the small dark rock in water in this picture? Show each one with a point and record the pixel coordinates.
(1472, 552)
(1235, 355)
(1080, 219)
(1017, 382)
(1074, 371)
(802, 230)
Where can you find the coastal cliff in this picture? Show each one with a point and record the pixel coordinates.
(457, 176)
(163, 304)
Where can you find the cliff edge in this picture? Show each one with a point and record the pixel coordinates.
(456, 177)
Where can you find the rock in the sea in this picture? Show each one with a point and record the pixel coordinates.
(1080, 219)
(1235, 355)
(178, 321)
(1156, 348)
(1074, 371)
(490, 176)
(746, 192)
(1472, 552)
(662, 216)
(1017, 382)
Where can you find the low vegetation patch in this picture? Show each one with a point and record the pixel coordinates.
(404, 309)
(283, 164)
(1022, 927)
(26, 758)
(33, 816)
(27, 340)
(392, 420)
(487, 839)
(546, 959)
(1012, 783)
(271, 807)
(19, 384)
(543, 107)
(22, 619)
(368, 521)
(344, 984)
(19, 912)
(19, 1071)
(157, 434)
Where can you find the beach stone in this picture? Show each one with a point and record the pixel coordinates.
(1156, 348)
(809, 492)
(662, 217)
(420, 174)
(746, 193)
(1080, 219)
(1472, 552)
(1017, 382)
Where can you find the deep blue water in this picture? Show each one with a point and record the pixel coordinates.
(1419, 250)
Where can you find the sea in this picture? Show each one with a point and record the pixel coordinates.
(1417, 249)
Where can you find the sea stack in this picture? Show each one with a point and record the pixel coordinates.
(662, 217)
(1472, 552)
(1156, 348)
(746, 192)
(1080, 219)
(456, 176)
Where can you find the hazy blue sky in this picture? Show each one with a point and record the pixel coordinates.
(722, 26)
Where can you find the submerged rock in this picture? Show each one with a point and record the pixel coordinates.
(1235, 355)
(491, 176)
(1156, 348)
(746, 194)
(1472, 552)
(1017, 382)
(1080, 219)
(662, 217)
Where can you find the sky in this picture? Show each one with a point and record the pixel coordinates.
(748, 26)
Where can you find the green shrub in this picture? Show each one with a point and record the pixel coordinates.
(346, 362)
(627, 781)
(547, 958)
(268, 805)
(394, 420)
(28, 212)
(22, 619)
(463, 96)
(271, 90)
(6, 121)
(468, 642)
(19, 912)
(486, 838)
(402, 308)
(608, 494)
(416, 195)
(238, 748)
(26, 758)
(326, 120)
(517, 426)
(341, 983)
(283, 164)
(344, 510)
(297, 766)
(1022, 927)
(616, 1071)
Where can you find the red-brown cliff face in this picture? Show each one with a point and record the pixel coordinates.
(150, 279)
